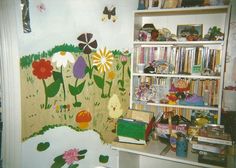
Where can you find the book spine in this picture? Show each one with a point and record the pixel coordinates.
(209, 148)
(214, 140)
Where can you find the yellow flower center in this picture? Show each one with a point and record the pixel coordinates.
(62, 53)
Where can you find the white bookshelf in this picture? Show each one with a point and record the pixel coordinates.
(133, 156)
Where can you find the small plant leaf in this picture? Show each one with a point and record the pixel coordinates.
(58, 162)
(53, 88)
(42, 146)
(99, 81)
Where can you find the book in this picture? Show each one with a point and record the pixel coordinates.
(215, 140)
(207, 147)
(212, 158)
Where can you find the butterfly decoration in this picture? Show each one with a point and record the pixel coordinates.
(41, 7)
(109, 14)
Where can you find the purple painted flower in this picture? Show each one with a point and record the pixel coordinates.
(70, 156)
(79, 68)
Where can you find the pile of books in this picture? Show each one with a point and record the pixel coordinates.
(135, 128)
(211, 145)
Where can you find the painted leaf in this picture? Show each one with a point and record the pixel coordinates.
(99, 81)
(42, 146)
(76, 90)
(57, 76)
(58, 162)
(53, 88)
(73, 166)
(81, 152)
(86, 70)
(128, 70)
(81, 157)
(121, 82)
(103, 159)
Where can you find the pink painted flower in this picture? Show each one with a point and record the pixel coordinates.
(70, 156)
(123, 58)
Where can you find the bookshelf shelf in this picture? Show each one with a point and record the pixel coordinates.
(177, 76)
(153, 150)
(177, 43)
(177, 106)
(181, 11)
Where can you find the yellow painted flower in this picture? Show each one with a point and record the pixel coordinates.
(103, 60)
(111, 75)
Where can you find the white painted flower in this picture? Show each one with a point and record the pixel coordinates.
(61, 58)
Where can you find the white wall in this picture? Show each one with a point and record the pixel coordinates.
(63, 21)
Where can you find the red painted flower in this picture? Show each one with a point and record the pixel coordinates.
(42, 69)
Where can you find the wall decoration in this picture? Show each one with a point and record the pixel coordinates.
(25, 16)
(83, 118)
(102, 60)
(87, 45)
(103, 158)
(42, 146)
(70, 81)
(70, 157)
(109, 14)
(41, 7)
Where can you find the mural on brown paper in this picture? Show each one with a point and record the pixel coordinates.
(79, 86)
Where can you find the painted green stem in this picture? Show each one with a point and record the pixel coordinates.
(90, 68)
(123, 73)
(75, 86)
(103, 85)
(109, 91)
(63, 85)
(46, 97)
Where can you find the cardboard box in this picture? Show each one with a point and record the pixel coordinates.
(133, 129)
(144, 116)
(163, 129)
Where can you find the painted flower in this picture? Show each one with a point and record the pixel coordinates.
(86, 42)
(103, 60)
(79, 68)
(123, 58)
(61, 58)
(70, 156)
(111, 75)
(42, 69)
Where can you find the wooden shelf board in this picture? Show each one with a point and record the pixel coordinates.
(178, 106)
(153, 150)
(192, 43)
(177, 76)
(182, 11)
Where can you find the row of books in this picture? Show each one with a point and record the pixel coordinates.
(184, 59)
